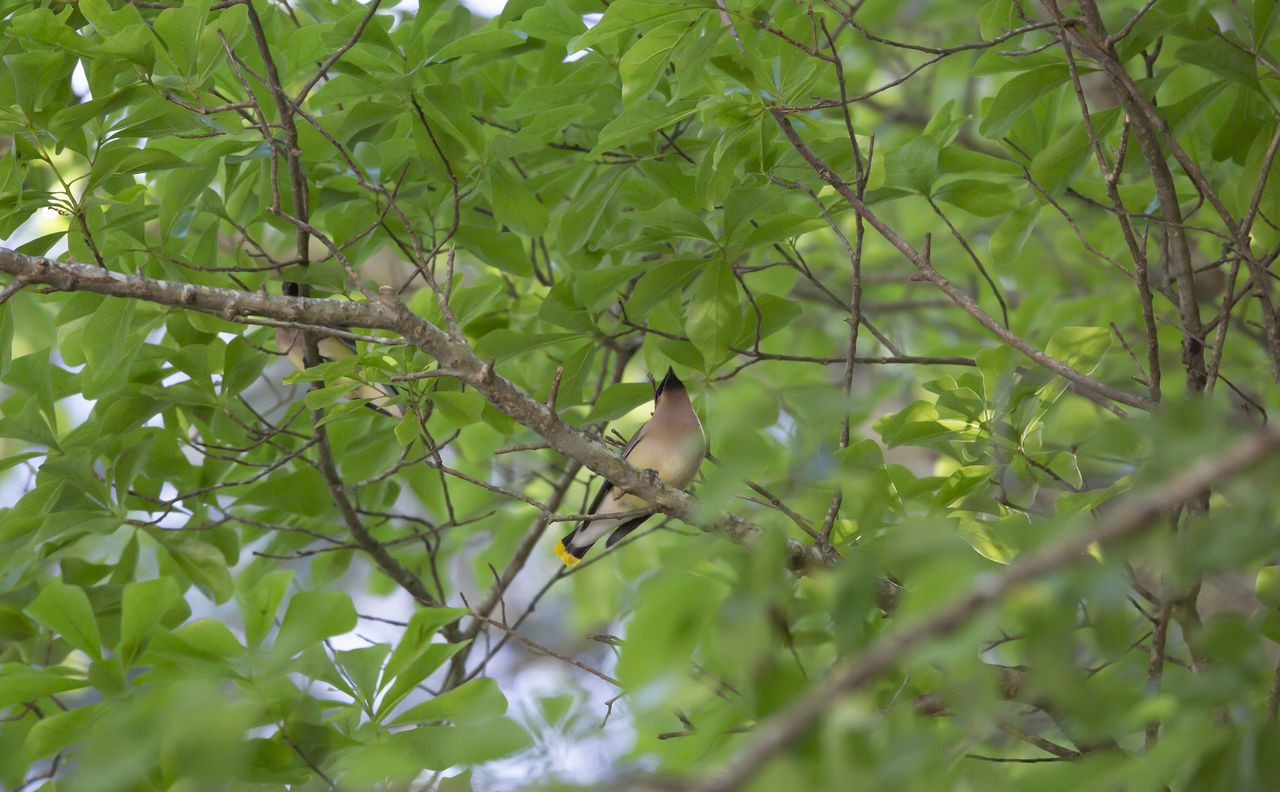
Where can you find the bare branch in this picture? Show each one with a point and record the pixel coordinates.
(920, 260)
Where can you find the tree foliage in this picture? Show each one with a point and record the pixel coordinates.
(976, 304)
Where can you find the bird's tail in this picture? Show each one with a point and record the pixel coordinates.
(568, 553)
(577, 542)
(380, 399)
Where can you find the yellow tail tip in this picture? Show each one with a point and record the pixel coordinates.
(563, 555)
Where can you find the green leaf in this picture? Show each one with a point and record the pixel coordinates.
(119, 159)
(1230, 62)
(715, 317)
(1192, 106)
(916, 422)
(143, 604)
(500, 249)
(672, 216)
(561, 309)
(962, 482)
(775, 314)
(779, 227)
(645, 61)
(988, 538)
(1264, 17)
(554, 22)
(997, 16)
(422, 625)
(363, 667)
(408, 654)
(914, 166)
(658, 283)
(643, 117)
(598, 288)
(242, 366)
(625, 15)
(1012, 234)
(113, 337)
(179, 192)
(66, 610)
(19, 683)
(311, 617)
(1081, 348)
(408, 429)
(459, 409)
(1061, 162)
(578, 224)
(259, 604)
(202, 564)
(619, 399)
(981, 197)
(1062, 464)
(179, 28)
(1249, 116)
(514, 205)
(480, 41)
(673, 610)
(1017, 95)
(302, 492)
(208, 639)
(440, 747)
(322, 398)
(130, 462)
(503, 343)
(107, 676)
(417, 668)
(471, 701)
(1267, 586)
(59, 730)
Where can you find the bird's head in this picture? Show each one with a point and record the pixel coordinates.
(670, 384)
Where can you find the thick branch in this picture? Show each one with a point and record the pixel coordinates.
(388, 314)
(1170, 211)
(1131, 519)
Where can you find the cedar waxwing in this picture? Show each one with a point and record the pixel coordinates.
(290, 344)
(670, 444)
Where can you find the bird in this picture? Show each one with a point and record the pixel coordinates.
(289, 342)
(670, 445)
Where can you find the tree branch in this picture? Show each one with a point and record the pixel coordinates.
(1131, 519)
(388, 314)
(922, 264)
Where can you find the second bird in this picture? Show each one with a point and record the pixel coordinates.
(671, 444)
(289, 342)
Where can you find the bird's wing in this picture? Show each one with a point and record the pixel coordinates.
(640, 433)
(335, 347)
(608, 485)
(622, 530)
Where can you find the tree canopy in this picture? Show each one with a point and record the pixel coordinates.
(975, 302)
